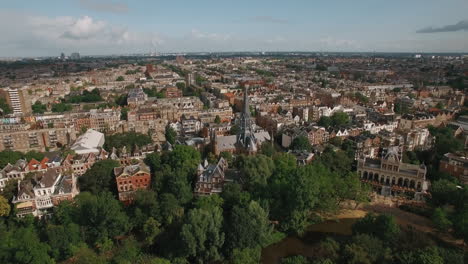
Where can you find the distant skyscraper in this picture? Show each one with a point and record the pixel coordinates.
(75, 56)
(62, 56)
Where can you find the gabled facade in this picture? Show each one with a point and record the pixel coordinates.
(131, 178)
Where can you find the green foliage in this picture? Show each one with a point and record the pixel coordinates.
(153, 92)
(301, 143)
(361, 98)
(267, 149)
(124, 113)
(62, 239)
(246, 256)
(235, 129)
(217, 120)
(382, 226)
(61, 107)
(4, 107)
(295, 260)
(170, 134)
(22, 246)
(86, 97)
(100, 177)
(101, 216)
(8, 156)
(121, 100)
(4, 206)
(247, 227)
(202, 236)
(129, 140)
(38, 107)
(440, 219)
(120, 79)
(255, 170)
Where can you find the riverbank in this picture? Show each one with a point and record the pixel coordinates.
(341, 225)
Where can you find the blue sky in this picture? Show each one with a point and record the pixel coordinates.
(48, 27)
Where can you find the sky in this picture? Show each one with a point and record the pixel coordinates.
(104, 27)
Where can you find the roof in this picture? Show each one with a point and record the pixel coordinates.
(89, 142)
(131, 170)
(24, 205)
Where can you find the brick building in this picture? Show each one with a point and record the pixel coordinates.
(130, 179)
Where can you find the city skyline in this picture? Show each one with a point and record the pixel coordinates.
(104, 27)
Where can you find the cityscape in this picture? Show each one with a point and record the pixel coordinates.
(260, 143)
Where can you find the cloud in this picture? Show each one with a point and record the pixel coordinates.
(460, 26)
(195, 33)
(104, 6)
(269, 19)
(84, 28)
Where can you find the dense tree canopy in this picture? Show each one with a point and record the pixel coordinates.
(129, 140)
(99, 178)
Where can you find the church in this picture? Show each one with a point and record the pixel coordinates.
(249, 138)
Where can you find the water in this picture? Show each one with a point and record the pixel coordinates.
(306, 244)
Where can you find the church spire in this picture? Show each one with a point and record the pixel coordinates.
(246, 136)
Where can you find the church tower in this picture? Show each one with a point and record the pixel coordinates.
(246, 137)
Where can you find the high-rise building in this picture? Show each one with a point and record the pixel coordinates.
(18, 99)
(75, 56)
(62, 56)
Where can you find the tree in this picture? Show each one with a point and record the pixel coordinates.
(120, 79)
(38, 108)
(170, 134)
(217, 120)
(246, 256)
(248, 227)
(124, 113)
(442, 192)
(151, 229)
(8, 156)
(255, 170)
(339, 119)
(202, 236)
(129, 140)
(61, 107)
(336, 141)
(382, 226)
(121, 100)
(325, 121)
(62, 239)
(235, 129)
(32, 154)
(440, 219)
(294, 260)
(4, 206)
(4, 107)
(301, 143)
(84, 255)
(100, 177)
(101, 216)
(22, 246)
(267, 149)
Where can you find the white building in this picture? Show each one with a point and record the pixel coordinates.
(89, 142)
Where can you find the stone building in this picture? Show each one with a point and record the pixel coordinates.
(390, 176)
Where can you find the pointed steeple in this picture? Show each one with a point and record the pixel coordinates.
(246, 137)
